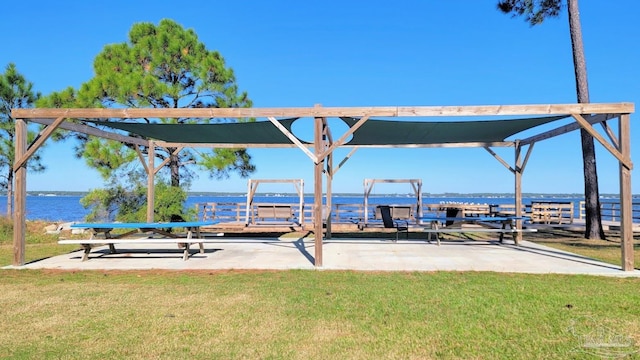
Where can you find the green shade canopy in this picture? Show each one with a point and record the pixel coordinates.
(373, 132)
(259, 132)
(382, 132)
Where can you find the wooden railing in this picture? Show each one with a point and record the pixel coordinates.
(510, 209)
(236, 212)
(221, 211)
(541, 212)
(551, 212)
(610, 210)
(457, 209)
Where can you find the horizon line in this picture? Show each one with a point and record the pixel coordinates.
(241, 193)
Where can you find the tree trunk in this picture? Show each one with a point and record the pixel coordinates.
(174, 166)
(593, 226)
(10, 192)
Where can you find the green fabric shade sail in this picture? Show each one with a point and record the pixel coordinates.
(373, 132)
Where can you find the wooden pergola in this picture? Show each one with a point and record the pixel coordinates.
(320, 151)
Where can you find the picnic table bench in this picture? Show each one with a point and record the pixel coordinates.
(507, 225)
(193, 235)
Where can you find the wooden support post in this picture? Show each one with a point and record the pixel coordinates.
(368, 186)
(20, 195)
(329, 204)
(626, 207)
(419, 210)
(300, 187)
(518, 191)
(249, 208)
(151, 156)
(317, 192)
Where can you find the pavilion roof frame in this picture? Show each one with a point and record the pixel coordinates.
(585, 116)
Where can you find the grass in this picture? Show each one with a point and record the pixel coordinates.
(607, 250)
(38, 244)
(311, 314)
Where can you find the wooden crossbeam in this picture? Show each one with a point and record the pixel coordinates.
(392, 111)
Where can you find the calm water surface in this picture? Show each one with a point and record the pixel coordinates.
(61, 208)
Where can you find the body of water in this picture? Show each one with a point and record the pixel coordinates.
(66, 208)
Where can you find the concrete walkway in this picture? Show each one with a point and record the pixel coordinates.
(346, 254)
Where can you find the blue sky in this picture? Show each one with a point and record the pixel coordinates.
(357, 53)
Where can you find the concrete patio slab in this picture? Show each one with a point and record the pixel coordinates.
(339, 254)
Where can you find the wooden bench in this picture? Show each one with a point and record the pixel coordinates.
(88, 244)
(155, 228)
(274, 211)
(500, 231)
(486, 224)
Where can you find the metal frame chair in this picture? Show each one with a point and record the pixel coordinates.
(390, 223)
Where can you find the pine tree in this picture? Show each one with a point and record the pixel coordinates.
(535, 12)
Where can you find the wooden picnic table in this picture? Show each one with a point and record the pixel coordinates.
(507, 225)
(101, 235)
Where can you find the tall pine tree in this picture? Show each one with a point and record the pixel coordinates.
(535, 12)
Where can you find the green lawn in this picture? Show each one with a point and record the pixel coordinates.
(604, 250)
(311, 314)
